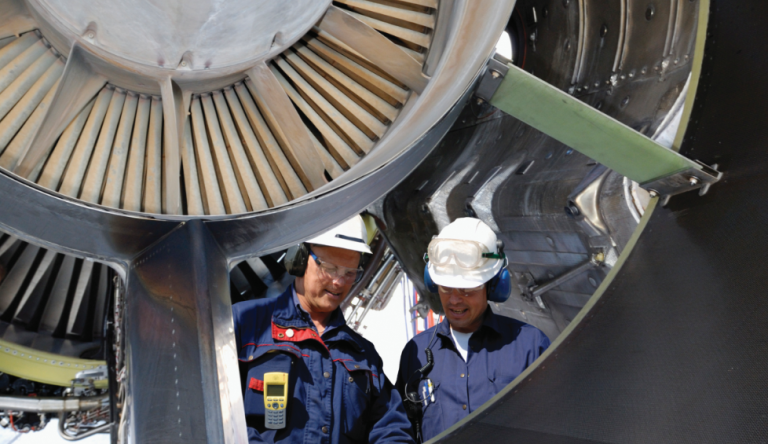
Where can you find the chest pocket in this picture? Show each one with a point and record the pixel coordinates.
(360, 389)
(271, 359)
(501, 375)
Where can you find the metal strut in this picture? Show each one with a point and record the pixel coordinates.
(593, 133)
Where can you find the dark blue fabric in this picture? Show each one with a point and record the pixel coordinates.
(498, 352)
(356, 403)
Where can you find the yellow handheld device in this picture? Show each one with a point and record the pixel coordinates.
(275, 399)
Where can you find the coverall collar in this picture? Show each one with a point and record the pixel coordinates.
(289, 313)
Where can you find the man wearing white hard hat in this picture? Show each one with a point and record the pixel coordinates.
(453, 368)
(306, 376)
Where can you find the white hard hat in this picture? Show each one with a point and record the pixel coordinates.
(468, 234)
(349, 235)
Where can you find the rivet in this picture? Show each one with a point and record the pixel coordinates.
(351, 379)
(357, 366)
(603, 30)
(280, 335)
(566, 3)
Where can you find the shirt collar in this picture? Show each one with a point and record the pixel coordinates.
(490, 321)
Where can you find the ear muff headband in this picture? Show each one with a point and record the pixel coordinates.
(498, 288)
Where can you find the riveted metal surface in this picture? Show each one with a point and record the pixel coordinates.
(180, 350)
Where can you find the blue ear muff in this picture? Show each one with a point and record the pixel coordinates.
(431, 285)
(500, 286)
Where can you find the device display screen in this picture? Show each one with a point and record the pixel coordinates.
(275, 390)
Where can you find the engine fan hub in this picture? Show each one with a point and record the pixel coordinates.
(148, 35)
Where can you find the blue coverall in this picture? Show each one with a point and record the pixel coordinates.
(338, 392)
(498, 352)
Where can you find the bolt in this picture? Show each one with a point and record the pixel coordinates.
(91, 35)
(693, 181)
(653, 193)
(572, 209)
(183, 63)
(480, 101)
(600, 257)
(650, 12)
(603, 30)
(495, 74)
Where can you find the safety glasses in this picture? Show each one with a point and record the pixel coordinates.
(331, 271)
(466, 254)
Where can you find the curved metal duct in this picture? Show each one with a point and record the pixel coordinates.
(670, 346)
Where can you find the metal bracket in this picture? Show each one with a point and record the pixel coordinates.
(686, 180)
(532, 292)
(495, 71)
(599, 136)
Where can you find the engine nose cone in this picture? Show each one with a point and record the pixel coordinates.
(177, 34)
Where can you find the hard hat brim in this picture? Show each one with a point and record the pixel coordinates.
(455, 277)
